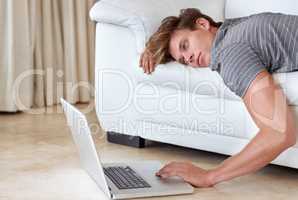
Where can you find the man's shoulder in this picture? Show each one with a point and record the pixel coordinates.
(237, 31)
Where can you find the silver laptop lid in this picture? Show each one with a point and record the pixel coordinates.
(84, 142)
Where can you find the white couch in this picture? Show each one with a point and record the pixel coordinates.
(176, 104)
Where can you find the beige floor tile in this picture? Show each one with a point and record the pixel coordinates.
(38, 160)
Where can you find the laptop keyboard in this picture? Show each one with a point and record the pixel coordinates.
(125, 178)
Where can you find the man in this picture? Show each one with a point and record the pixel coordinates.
(245, 52)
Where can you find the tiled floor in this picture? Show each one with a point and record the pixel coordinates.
(38, 160)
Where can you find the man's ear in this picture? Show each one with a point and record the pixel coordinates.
(203, 23)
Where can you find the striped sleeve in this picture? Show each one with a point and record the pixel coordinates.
(239, 67)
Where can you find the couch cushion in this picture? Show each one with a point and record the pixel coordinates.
(203, 81)
(144, 16)
(241, 8)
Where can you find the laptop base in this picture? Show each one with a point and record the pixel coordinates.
(128, 140)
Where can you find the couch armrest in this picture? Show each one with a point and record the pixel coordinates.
(144, 16)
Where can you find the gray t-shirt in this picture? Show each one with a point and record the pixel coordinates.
(243, 47)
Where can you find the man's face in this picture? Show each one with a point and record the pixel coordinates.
(193, 47)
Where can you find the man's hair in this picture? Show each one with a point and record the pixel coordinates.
(158, 44)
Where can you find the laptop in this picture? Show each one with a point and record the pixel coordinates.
(119, 180)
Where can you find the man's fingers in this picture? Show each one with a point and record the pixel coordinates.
(151, 66)
(171, 173)
(146, 62)
(147, 65)
(142, 62)
(163, 169)
(144, 65)
(167, 168)
(167, 175)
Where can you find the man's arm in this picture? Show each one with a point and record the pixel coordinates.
(267, 105)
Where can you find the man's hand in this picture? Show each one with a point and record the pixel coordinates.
(196, 176)
(147, 62)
